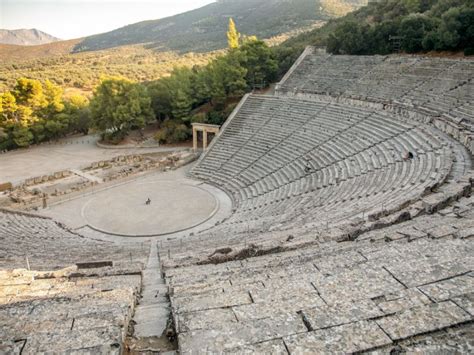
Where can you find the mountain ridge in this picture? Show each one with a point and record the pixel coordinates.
(203, 29)
(26, 37)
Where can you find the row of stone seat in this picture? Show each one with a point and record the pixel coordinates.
(410, 281)
(331, 156)
(442, 85)
(42, 244)
(60, 312)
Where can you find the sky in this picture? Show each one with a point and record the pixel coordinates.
(68, 19)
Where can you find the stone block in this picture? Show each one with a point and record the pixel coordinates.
(208, 319)
(401, 300)
(200, 303)
(425, 271)
(361, 283)
(423, 319)
(342, 313)
(291, 304)
(237, 335)
(266, 347)
(349, 338)
(466, 302)
(446, 289)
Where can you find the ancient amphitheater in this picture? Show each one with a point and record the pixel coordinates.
(333, 216)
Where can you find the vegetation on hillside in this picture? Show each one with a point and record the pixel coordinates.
(82, 72)
(33, 112)
(274, 21)
(417, 26)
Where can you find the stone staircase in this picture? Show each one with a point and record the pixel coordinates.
(152, 330)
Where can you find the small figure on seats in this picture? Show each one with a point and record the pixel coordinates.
(148, 202)
(408, 156)
(307, 169)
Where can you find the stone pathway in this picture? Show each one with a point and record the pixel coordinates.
(153, 310)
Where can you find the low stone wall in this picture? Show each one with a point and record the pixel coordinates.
(128, 146)
(45, 178)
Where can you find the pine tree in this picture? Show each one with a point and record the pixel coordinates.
(232, 35)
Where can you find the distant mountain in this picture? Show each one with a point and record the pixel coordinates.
(204, 29)
(25, 37)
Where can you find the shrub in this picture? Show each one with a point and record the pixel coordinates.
(469, 51)
(173, 131)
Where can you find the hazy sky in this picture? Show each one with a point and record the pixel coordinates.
(69, 19)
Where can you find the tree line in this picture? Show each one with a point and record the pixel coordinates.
(410, 26)
(413, 25)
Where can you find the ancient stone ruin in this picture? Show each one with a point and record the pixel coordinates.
(351, 230)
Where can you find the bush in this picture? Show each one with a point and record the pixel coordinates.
(172, 131)
(469, 51)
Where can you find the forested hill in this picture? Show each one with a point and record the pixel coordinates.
(202, 30)
(417, 25)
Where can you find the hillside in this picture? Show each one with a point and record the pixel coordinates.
(10, 52)
(80, 72)
(421, 26)
(203, 29)
(25, 37)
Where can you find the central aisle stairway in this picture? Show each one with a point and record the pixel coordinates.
(152, 329)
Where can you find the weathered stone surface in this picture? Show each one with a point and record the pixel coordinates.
(290, 290)
(423, 319)
(342, 313)
(243, 333)
(275, 347)
(444, 290)
(442, 231)
(421, 272)
(466, 302)
(208, 319)
(349, 338)
(356, 284)
(109, 339)
(199, 303)
(457, 340)
(401, 300)
(278, 305)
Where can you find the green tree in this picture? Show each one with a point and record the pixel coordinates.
(161, 98)
(22, 136)
(348, 38)
(53, 96)
(180, 105)
(227, 77)
(259, 62)
(413, 29)
(232, 35)
(29, 92)
(77, 108)
(118, 106)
